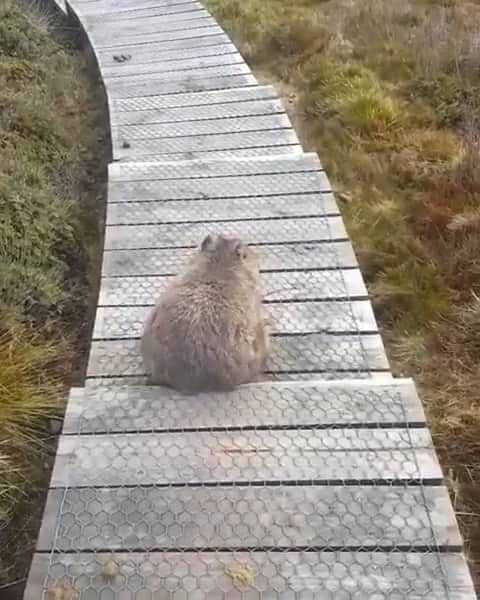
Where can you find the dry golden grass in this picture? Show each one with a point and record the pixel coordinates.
(388, 92)
(30, 392)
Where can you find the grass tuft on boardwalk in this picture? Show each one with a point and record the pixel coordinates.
(387, 92)
(49, 241)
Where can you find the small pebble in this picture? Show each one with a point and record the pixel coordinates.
(241, 574)
(110, 569)
(60, 591)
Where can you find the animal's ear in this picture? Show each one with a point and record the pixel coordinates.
(208, 243)
(240, 250)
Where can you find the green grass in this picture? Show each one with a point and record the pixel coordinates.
(49, 242)
(388, 93)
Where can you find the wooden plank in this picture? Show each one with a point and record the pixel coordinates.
(306, 166)
(198, 113)
(188, 82)
(281, 257)
(271, 231)
(279, 286)
(108, 407)
(135, 28)
(110, 66)
(195, 134)
(153, 9)
(288, 145)
(124, 322)
(129, 43)
(276, 576)
(223, 145)
(96, 7)
(222, 209)
(314, 353)
(127, 69)
(148, 22)
(126, 8)
(152, 87)
(267, 517)
(123, 4)
(199, 98)
(230, 186)
(327, 455)
(175, 81)
(164, 131)
(164, 50)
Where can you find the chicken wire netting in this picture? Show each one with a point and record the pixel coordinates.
(156, 495)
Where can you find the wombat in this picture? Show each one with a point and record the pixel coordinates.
(207, 330)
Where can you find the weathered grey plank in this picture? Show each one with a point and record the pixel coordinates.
(126, 69)
(254, 232)
(279, 286)
(290, 146)
(125, 7)
(109, 407)
(160, 171)
(152, 87)
(178, 79)
(166, 49)
(245, 456)
(259, 207)
(276, 516)
(198, 113)
(276, 576)
(147, 19)
(134, 28)
(168, 261)
(164, 131)
(100, 6)
(237, 186)
(153, 9)
(313, 353)
(199, 98)
(110, 66)
(198, 146)
(127, 43)
(291, 377)
(123, 322)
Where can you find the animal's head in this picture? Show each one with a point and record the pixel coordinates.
(230, 252)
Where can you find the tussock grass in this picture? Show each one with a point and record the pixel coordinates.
(50, 116)
(30, 391)
(388, 93)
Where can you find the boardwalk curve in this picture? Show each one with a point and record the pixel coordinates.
(319, 483)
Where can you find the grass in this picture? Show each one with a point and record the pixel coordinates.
(388, 93)
(50, 164)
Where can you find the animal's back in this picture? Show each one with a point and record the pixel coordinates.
(202, 332)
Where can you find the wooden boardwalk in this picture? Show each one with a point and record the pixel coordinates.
(322, 482)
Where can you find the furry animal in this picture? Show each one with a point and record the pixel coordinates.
(207, 331)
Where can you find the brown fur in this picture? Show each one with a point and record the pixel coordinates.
(207, 331)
